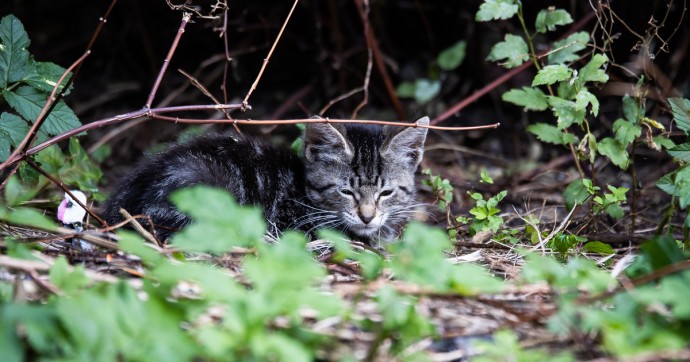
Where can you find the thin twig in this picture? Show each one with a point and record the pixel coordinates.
(364, 13)
(133, 221)
(166, 62)
(245, 102)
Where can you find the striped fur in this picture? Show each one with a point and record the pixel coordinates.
(355, 179)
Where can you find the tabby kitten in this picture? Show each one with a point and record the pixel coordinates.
(358, 179)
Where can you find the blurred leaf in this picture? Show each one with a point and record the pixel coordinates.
(584, 98)
(549, 18)
(565, 50)
(496, 10)
(453, 56)
(662, 251)
(614, 150)
(681, 152)
(16, 192)
(551, 74)
(512, 50)
(28, 102)
(681, 113)
(425, 90)
(532, 99)
(632, 110)
(551, 134)
(68, 281)
(626, 132)
(14, 56)
(575, 194)
(30, 217)
(598, 247)
(405, 90)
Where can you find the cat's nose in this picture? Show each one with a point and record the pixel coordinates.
(366, 218)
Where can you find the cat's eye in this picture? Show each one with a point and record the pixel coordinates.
(347, 192)
(385, 193)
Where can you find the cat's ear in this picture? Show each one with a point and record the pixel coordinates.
(405, 144)
(325, 142)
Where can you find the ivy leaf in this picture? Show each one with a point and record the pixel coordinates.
(453, 56)
(565, 50)
(548, 19)
(530, 98)
(566, 111)
(681, 113)
(576, 194)
(681, 152)
(614, 150)
(592, 72)
(626, 132)
(14, 56)
(513, 49)
(551, 134)
(44, 76)
(28, 102)
(551, 74)
(496, 9)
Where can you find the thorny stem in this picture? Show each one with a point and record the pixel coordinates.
(64, 188)
(245, 102)
(185, 19)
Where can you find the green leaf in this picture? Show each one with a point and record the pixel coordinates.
(219, 222)
(626, 132)
(598, 247)
(551, 134)
(566, 111)
(565, 50)
(681, 152)
(584, 98)
(44, 76)
(615, 211)
(13, 127)
(631, 110)
(512, 49)
(68, 281)
(453, 56)
(548, 19)
(681, 113)
(405, 90)
(30, 217)
(592, 72)
(551, 74)
(576, 194)
(14, 56)
(28, 102)
(677, 183)
(425, 90)
(614, 150)
(532, 99)
(16, 192)
(496, 9)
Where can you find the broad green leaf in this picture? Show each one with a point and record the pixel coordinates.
(532, 99)
(512, 50)
(681, 113)
(598, 247)
(28, 102)
(632, 110)
(496, 9)
(14, 56)
(614, 150)
(30, 217)
(566, 111)
(69, 281)
(592, 72)
(548, 19)
(551, 74)
(453, 56)
(13, 127)
(551, 134)
(576, 194)
(664, 142)
(584, 98)
(44, 76)
(625, 131)
(565, 50)
(681, 152)
(615, 211)
(16, 192)
(677, 183)
(425, 90)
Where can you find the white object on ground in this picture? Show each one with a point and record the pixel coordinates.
(69, 212)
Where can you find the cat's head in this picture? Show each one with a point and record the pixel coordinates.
(360, 178)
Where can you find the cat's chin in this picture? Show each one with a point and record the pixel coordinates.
(365, 231)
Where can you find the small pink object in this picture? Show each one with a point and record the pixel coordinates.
(69, 212)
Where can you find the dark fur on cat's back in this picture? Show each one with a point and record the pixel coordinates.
(357, 179)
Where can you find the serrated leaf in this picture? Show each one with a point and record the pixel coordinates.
(566, 111)
(28, 102)
(44, 76)
(584, 98)
(453, 56)
(13, 127)
(615, 151)
(681, 113)
(681, 152)
(575, 194)
(551, 134)
(565, 50)
(626, 132)
(631, 109)
(532, 99)
(548, 19)
(496, 9)
(512, 49)
(592, 72)
(551, 74)
(598, 247)
(14, 56)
